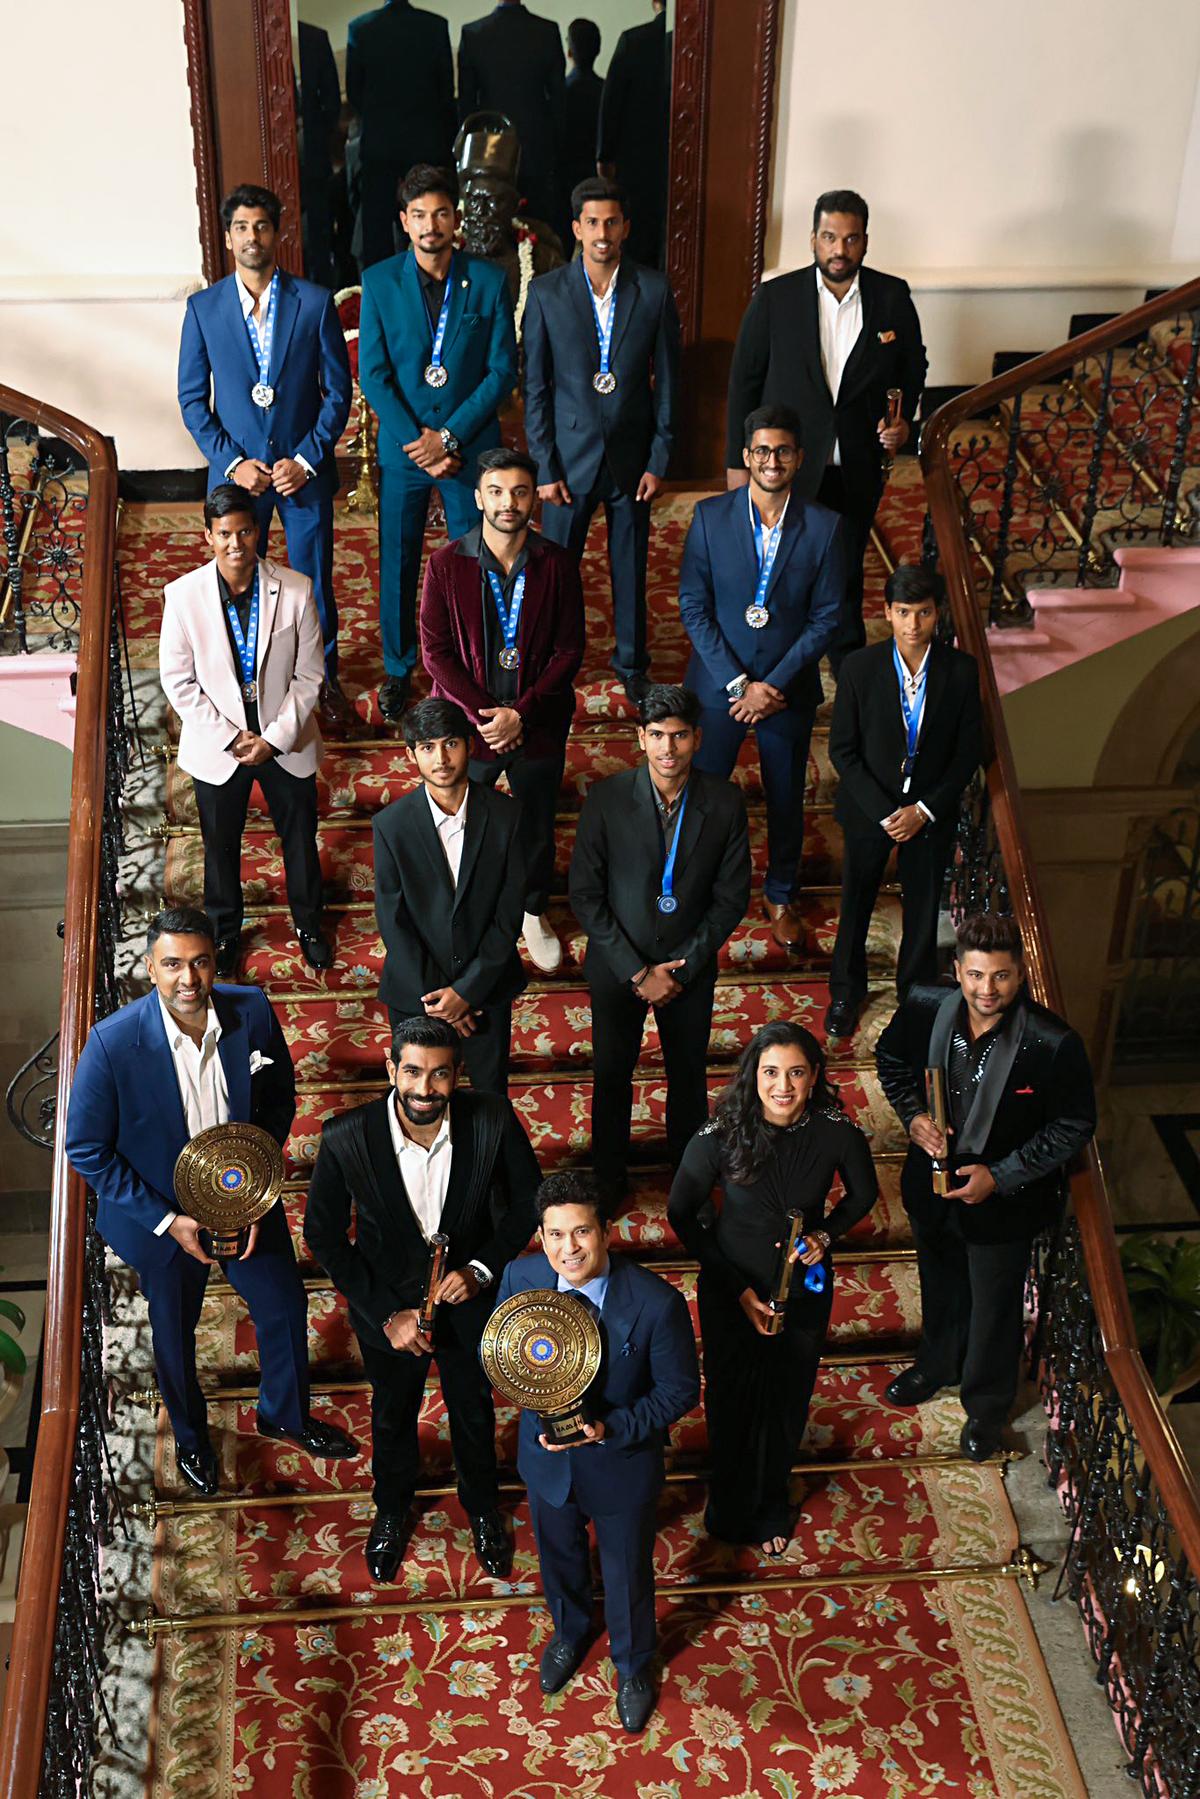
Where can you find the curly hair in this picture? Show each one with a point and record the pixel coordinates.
(738, 1117)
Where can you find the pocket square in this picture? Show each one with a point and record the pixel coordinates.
(1022, 1091)
(258, 1060)
(629, 1349)
(887, 337)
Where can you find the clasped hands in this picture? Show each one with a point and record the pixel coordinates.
(904, 823)
(430, 453)
(251, 750)
(403, 1329)
(657, 984)
(286, 476)
(760, 700)
(445, 1003)
(502, 727)
(977, 1184)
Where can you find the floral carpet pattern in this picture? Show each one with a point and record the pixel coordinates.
(884, 1656)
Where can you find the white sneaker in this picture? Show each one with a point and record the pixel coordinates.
(545, 951)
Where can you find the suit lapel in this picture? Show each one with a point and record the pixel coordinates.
(793, 527)
(425, 830)
(936, 676)
(621, 1310)
(693, 823)
(460, 292)
(990, 1091)
(385, 1173)
(810, 333)
(238, 330)
(269, 587)
(578, 297)
(943, 1030)
(234, 1051)
(462, 1168)
(287, 311)
(857, 363)
(226, 674)
(473, 837)
(160, 1068)
(628, 290)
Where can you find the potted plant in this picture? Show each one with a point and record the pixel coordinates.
(1163, 1280)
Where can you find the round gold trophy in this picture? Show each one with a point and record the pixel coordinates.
(541, 1351)
(227, 1178)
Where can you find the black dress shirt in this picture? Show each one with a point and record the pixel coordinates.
(433, 292)
(967, 1061)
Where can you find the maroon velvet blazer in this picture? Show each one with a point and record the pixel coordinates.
(550, 638)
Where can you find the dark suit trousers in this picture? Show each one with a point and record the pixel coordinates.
(921, 866)
(857, 515)
(628, 522)
(292, 800)
(536, 782)
(626, 1544)
(972, 1321)
(271, 1286)
(783, 741)
(485, 1052)
(618, 1019)
(397, 1388)
(308, 533)
(404, 495)
(380, 179)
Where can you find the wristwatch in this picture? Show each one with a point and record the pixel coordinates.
(450, 443)
(482, 1278)
(735, 689)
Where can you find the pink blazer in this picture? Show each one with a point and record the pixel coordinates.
(202, 682)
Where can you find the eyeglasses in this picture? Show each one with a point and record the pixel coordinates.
(777, 453)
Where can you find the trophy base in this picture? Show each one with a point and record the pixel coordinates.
(565, 1427)
(226, 1246)
(943, 1179)
(774, 1324)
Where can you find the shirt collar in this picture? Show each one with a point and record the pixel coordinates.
(245, 297)
(176, 1033)
(824, 293)
(756, 517)
(449, 821)
(905, 672)
(401, 1141)
(666, 808)
(596, 1289)
(493, 565)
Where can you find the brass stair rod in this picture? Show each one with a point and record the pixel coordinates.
(1004, 416)
(1079, 393)
(37, 493)
(1024, 1566)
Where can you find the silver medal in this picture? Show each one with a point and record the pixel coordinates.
(757, 617)
(510, 658)
(436, 375)
(249, 690)
(262, 394)
(604, 382)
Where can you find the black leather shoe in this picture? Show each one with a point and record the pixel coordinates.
(316, 950)
(393, 698)
(841, 1018)
(199, 1468)
(333, 708)
(911, 1388)
(386, 1545)
(635, 1702)
(637, 687)
(979, 1441)
(324, 1441)
(559, 1661)
(229, 954)
(493, 1545)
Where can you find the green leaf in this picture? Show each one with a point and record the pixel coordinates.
(12, 1355)
(783, 1783)
(760, 1713)
(10, 1310)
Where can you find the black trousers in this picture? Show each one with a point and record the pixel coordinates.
(783, 741)
(625, 1541)
(536, 781)
(485, 1052)
(380, 179)
(972, 1315)
(628, 523)
(757, 1391)
(921, 867)
(857, 513)
(618, 1019)
(397, 1388)
(292, 800)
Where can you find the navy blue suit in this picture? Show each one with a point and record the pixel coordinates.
(602, 444)
(125, 1128)
(310, 373)
(648, 1378)
(717, 581)
(479, 354)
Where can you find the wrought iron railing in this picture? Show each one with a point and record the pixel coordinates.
(58, 505)
(1056, 465)
(1133, 1565)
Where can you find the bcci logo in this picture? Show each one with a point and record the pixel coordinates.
(543, 1351)
(230, 1179)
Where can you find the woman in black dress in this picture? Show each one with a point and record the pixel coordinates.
(777, 1140)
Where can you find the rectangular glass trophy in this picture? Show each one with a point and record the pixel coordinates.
(785, 1269)
(439, 1251)
(939, 1111)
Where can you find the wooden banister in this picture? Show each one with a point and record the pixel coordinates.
(1159, 1444)
(31, 1662)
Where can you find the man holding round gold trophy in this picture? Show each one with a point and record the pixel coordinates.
(180, 1107)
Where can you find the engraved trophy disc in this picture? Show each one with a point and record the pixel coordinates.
(939, 1111)
(541, 1351)
(227, 1178)
(785, 1268)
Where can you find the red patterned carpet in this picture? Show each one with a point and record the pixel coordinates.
(886, 1655)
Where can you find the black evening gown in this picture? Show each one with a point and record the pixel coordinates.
(757, 1389)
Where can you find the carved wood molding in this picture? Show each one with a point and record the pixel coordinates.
(277, 122)
(767, 28)
(691, 53)
(204, 147)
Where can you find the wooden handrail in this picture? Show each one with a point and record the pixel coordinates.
(1159, 1444)
(32, 1657)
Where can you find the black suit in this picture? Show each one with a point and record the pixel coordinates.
(635, 131)
(777, 359)
(581, 118)
(441, 934)
(867, 743)
(400, 82)
(488, 1216)
(616, 877)
(320, 107)
(511, 61)
(1034, 1109)
(602, 444)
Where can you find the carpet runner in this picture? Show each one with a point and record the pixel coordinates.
(887, 1654)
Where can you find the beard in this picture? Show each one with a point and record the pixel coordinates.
(427, 1111)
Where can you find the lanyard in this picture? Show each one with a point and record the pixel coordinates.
(766, 548)
(666, 901)
(509, 619)
(603, 332)
(913, 711)
(439, 331)
(262, 345)
(247, 646)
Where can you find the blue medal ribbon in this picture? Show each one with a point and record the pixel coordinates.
(604, 382)
(913, 712)
(509, 618)
(666, 901)
(766, 548)
(247, 643)
(439, 333)
(261, 345)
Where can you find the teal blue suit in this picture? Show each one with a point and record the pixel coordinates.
(479, 354)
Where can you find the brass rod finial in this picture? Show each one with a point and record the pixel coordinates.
(1029, 1567)
(149, 1397)
(146, 1627)
(145, 1511)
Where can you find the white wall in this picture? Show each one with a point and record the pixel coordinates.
(1020, 162)
(99, 240)
(612, 16)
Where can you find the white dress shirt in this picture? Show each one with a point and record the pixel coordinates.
(426, 1175)
(912, 686)
(841, 326)
(451, 828)
(604, 301)
(201, 1077)
(249, 303)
